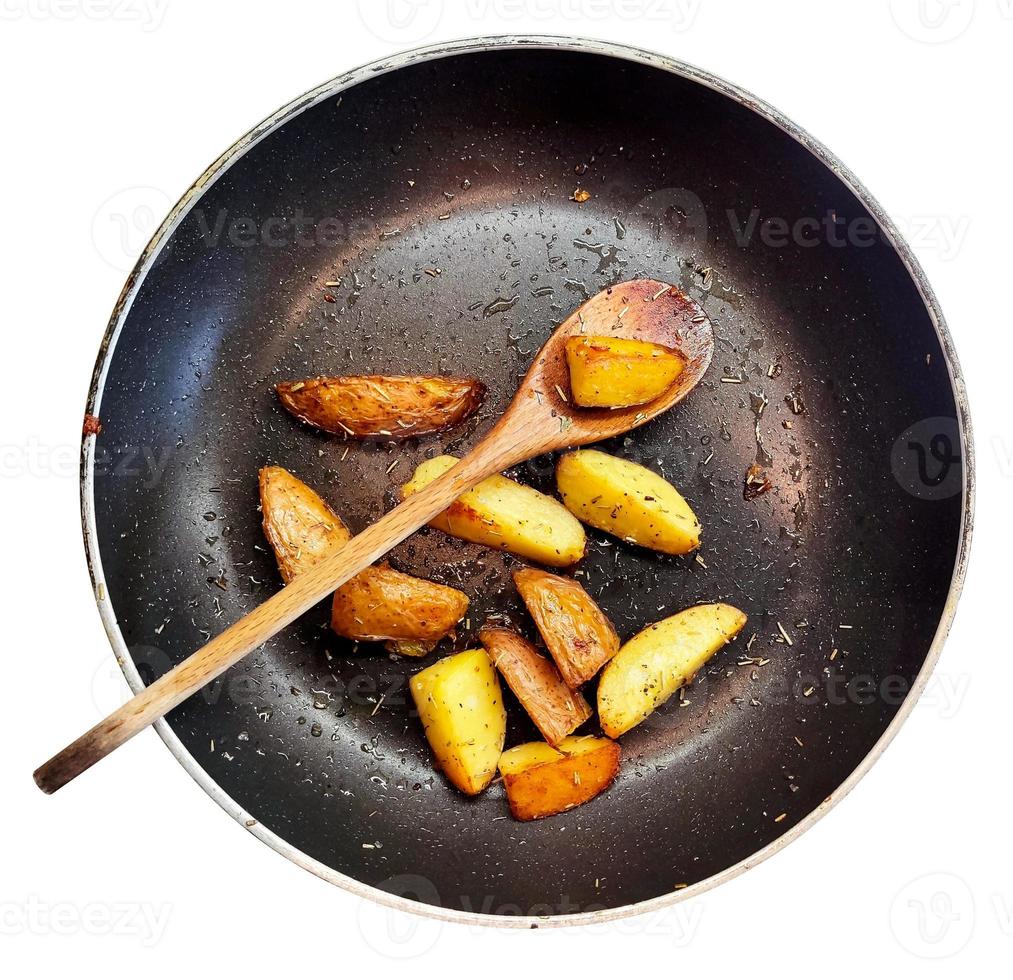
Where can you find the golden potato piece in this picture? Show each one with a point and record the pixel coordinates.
(578, 634)
(461, 707)
(659, 660)
(503, 514)
(554, 708)
(383, 604)
(611, 372)
(627, 500)
(300, 527)
(378, 603)
(384, 406)
(541, 781)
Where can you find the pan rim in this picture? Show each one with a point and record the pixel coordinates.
(436, 52)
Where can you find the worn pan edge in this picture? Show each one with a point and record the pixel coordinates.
(433, 53)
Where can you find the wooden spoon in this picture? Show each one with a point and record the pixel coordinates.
(540, 419)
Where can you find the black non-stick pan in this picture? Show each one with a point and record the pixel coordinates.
(421, 215)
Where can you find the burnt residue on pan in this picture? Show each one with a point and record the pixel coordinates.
(429, 221)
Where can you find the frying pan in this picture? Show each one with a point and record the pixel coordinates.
(421, 215)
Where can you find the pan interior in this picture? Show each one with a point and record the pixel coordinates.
(423, 221)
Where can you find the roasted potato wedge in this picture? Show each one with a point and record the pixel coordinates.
(384, 406)
(627, 500)
(300, 527)
(379, 603)
(541, 780)
(659, 660)
(383, 604)
(611, 372)
(554, 708)
(578, 634)
(461, 707)
(503, 514)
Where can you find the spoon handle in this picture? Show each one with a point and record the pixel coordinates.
(496, 452)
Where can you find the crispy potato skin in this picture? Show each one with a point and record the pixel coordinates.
(554, 708)
(627, 500)
(461, 707)
(539, 785)
(612, 372)
(503, 514)
(383, 604)
(379, 603)
(384, 406)
(578, 634)
(300, 527)
(659, 660)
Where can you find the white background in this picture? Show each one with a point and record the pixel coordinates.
(111, 108)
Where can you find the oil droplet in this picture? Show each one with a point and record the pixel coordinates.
(500, 305)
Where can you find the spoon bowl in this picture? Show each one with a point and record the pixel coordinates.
(541, 418)
(639, 309)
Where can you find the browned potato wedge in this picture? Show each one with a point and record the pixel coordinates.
(501, 513)
(378, 603)
(554, 708)
(611, 372)
(300, 527)
(461, 708)
(541, 780)
(385, 406)
(383, 604)
(578, 634)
